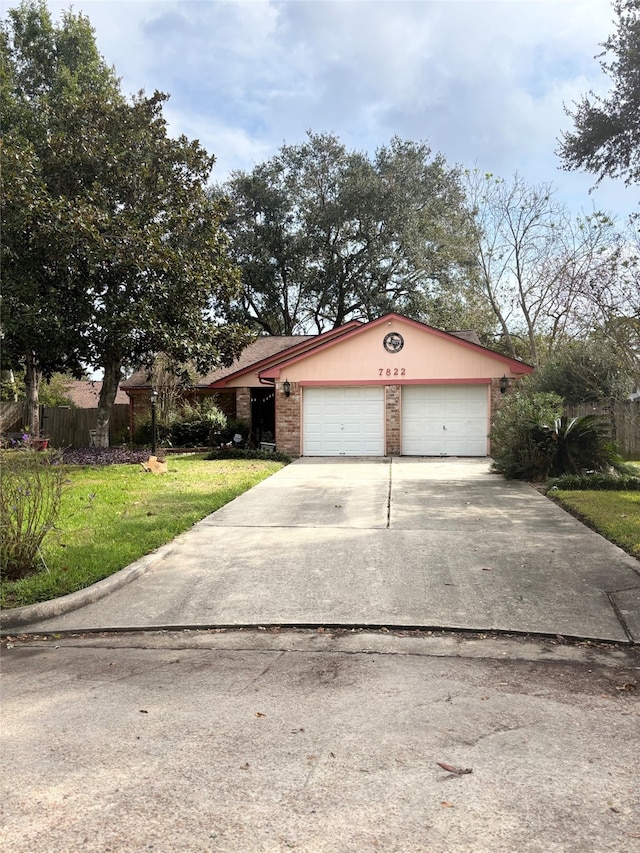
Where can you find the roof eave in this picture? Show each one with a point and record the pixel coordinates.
(270, 361)
(274, 372)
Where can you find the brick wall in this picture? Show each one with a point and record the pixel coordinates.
(496, 398)
(392, 420)
(226, 402)
(243, 405)
(288, 420)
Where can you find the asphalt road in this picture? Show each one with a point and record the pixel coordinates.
(265, 741)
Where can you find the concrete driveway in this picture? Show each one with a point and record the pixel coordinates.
(377, 542)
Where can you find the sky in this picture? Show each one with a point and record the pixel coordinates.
(484, 82)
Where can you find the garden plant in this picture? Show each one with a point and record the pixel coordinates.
(30, 497)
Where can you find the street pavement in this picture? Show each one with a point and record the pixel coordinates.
(318, 742)
(284, 677)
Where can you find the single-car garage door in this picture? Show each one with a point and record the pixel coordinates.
(343, 421)
(444, 420)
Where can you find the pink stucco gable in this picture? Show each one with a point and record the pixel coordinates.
(427, 355)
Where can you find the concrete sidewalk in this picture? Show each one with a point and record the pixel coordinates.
(367, 542)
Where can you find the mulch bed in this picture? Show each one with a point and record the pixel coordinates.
(105, 455)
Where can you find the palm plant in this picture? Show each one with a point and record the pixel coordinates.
(573, 445)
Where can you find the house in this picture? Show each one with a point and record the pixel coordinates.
(392, 386)
(85, 393)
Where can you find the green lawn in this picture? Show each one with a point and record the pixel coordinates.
(615, 515)
(115, 514)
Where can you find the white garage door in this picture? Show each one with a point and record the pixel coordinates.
(444, 420)
(343, 421)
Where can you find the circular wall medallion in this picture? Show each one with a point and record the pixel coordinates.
(393, 342)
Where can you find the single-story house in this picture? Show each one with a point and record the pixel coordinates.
(392, 386)
(85, 393)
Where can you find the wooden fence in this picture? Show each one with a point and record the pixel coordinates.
(66, 427)
(624, 418)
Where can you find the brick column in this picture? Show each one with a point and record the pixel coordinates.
(496, 399)
(288, 420)
(392, 419)
(243, 405)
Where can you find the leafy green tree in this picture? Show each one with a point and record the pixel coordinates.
(55, 391)
(155, 260)
(585, 370)
(125, 256)
(44, 71)
(323, 235)
(606, 139)
(11, 386)
(52, 391)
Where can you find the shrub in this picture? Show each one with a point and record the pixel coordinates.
(191, 425)
(572, 446)
(595, 482)
(233, 427)
(30, 493)
(514, 452)
(241, 453)
(529, 446)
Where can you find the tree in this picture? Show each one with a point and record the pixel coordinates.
(42, 68)
(55, 391)
(611, 303)
(585, 370)
(126, 239)
(155, 259)
(323, 235)
(606, 139)
(537, 267)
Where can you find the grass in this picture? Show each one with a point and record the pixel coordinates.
(113, 515)
(615, 515)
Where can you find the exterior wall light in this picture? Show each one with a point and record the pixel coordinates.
(504, 384)
(286, 387)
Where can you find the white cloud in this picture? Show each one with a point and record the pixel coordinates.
(482, 81)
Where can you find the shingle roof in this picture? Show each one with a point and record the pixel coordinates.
(260, 349)
(468, 335)
(84, 393)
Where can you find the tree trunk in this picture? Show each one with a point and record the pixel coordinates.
(32, 382)
(14, 386)
(110, 382)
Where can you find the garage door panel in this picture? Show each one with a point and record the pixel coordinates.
(448, 420)
(343, 421)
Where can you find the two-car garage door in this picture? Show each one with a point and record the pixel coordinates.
(437, 420)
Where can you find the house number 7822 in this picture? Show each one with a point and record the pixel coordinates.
(391, 371)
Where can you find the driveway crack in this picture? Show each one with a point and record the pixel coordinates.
(257, 677)
(389, 493)
(620, 617)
